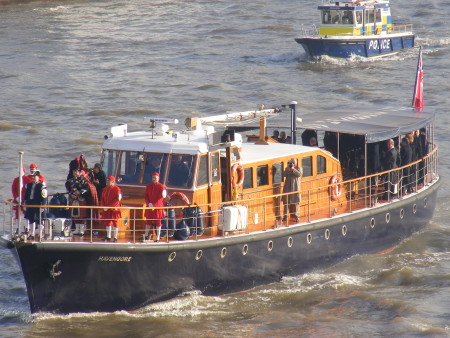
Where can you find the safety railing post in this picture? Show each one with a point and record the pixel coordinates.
(264, 214)
(309, 205)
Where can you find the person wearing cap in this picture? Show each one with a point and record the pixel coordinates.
(99, 179)
(154, 196)
(35, 194)
(15, 193)
(33, 169)
(111, 197)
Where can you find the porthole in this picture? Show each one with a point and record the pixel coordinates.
(198, 255)
(245, 249)
(388, 217)
(327, 234)
(125, 221)
(372, 222)
(425, 202)
(223, 252)
(402, 213)
(270, 246)
(344, 230)
(309, 238)
(172, 256)
(290, 242)
(414, 208)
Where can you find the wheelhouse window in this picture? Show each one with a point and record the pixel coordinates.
(373, 16)
(215, 165)
(262, 175)
(235, 156)
(307, 166)
(202, 177)
(277, 172)
(181, 169)
(359, 17)
(248, 178)
(321, 164)
(130, 167)
(154, 162)
(109, 161)
(347, 18)
(326, 17)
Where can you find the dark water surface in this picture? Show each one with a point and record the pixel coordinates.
(71, 69)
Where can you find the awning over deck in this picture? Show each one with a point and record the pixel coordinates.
(375, 125)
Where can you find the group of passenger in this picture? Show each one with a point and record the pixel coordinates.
(412, 147)
(85, 187)
(281, 137)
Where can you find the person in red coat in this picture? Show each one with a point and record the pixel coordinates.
(111, 197)
(154, 196)
(15, 194)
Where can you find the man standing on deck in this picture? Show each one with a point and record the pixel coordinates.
(79, 190)
(98, 179)
(292, 175)
(155, 193)
(35, 194)
(111, 197)
(390, 162)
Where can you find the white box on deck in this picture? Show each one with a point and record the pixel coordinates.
(234, 217)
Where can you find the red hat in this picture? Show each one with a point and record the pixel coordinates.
(32, 165)
(111, 178)
(155, 174)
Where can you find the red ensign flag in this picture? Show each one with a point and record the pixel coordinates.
(418, 87)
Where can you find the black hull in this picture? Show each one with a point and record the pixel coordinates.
(114, 276)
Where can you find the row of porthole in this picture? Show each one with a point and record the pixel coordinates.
(290, 241)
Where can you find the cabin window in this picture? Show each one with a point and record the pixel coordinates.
(262, 175)
(307, 166)
(154, 162)
(277, 172)
(321, 165)
(215, 165)
(248, 178)
(130, 167)
(180, 170)
(109, 161)
(202, 178)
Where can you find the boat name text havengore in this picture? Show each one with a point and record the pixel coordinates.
(114, 259)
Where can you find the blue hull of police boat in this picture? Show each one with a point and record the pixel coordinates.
(87, 277)
(339, 47)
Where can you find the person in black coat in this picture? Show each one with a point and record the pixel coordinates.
(99, 179)
(35, 194)
(390, 162)
(406, 158)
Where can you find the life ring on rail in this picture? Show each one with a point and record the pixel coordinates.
(237, 168)
(335, 189)
(185, 202)
(179, 196)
